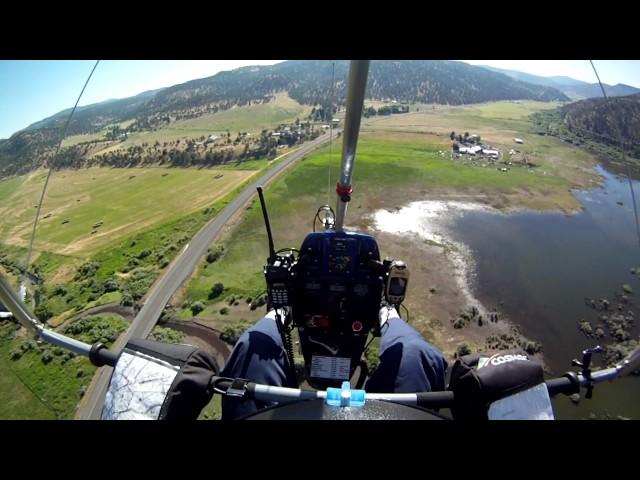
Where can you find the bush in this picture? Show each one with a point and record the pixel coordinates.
(224, 311)
(166, 335)
(216, 291)
(43, 313)
(126, 300)
(144, 253)
(59, 290)
(196, 308)
(532, 347)
(88, 269)
(15, 355)
(213, 256)
(168, 314)
(231, 334)
(46, 357)
(459, 323)
(372, 356)
(111, 285)
(463, 349)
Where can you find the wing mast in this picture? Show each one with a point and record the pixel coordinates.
(358, 73)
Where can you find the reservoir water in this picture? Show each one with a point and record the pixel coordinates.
(538, 267)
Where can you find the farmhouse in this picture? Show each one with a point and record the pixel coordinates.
(491, 153)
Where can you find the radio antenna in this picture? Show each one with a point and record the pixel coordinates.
(272, 250)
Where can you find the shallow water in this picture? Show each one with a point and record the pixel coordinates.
(538, 268)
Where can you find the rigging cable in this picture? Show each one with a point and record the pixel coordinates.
(46, 182)
(624, 157)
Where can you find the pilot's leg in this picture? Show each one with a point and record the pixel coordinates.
(259, 356)
(408, 363)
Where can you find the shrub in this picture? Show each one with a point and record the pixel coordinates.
(463, 349)
(166, 335)
(212, 256)
(43, 313)
(532, 347)
(126, 300)
(232, 333)
(216, 291)
(111, 285)
(59, 290)
(224, 311)
(196, 308)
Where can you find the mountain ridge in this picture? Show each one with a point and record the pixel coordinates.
(574, 89)
(306, 81)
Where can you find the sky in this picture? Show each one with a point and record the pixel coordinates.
(31, 90)
(610, 71)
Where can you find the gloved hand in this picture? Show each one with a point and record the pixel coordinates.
(160, 381)
(479, 380)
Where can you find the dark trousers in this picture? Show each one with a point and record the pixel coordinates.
(408, 363)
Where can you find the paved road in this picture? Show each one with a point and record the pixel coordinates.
(180, 269)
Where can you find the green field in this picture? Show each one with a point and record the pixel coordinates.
(497, 124)
(126, 201)
(250, 118)
(151, 209)
(33, 389)
(386, 162)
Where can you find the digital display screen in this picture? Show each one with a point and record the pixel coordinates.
(397, 286)
(341, 245)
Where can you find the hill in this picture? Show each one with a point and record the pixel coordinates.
(594, 123)
(307, 82)
(572, 88)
